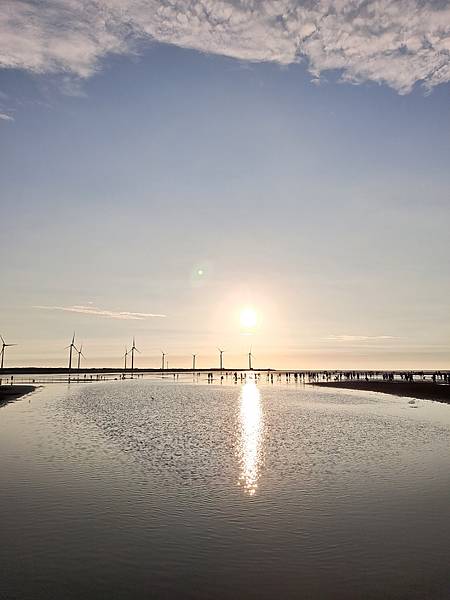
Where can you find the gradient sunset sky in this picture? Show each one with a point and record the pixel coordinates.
(166, 164)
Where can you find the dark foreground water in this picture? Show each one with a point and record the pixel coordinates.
(145, 489)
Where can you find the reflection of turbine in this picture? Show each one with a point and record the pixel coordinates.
(80, 354)
(4, 345)
(250, 356)
(221, 359)
(70, 348)
(251, 430)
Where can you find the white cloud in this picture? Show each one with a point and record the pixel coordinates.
(5, 117)
(99, 312)
(396, 42)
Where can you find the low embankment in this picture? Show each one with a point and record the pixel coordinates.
(11, 392)
(424, 390)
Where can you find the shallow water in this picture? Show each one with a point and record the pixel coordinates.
(143, 488)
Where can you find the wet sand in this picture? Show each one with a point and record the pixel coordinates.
(423, 390)
(12, 392)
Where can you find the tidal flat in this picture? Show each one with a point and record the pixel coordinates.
(152, 488)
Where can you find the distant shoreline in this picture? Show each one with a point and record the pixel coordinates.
(144, 370)
(424, 390)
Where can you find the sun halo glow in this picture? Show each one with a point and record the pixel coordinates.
(248, 318)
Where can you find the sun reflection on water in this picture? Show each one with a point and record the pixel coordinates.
(251, 438)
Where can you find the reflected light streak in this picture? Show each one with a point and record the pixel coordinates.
(251, 439)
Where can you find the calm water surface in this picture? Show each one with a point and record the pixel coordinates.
(154, 489)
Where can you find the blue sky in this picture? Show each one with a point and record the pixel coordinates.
(323, 204)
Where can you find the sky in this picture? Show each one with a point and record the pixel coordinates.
(165, 165)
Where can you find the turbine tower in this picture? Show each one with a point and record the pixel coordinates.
(133, 350)
(162, 360)
(80, 354)
(193, 361)
(4, 345)
(70, 348)
(125, 358)
(250, 356)
(221, 358)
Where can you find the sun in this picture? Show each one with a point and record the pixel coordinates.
(248, 318)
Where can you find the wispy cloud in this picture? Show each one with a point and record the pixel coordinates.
(359, 338)
(99, 312)
(5, 117)
(396, 42)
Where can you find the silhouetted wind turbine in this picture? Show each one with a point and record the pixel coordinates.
(125, 358)
(250, 356)
(133, 350)
(221, 359)
(4, 345)
(70, 348)
(193, 361)
(80, 354)
(162, 360)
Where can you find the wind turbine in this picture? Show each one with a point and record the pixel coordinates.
(80, 354)
(221, 359)
(125, 358)
(133, 350)
(193, 361)
(4, 345)
(70, 348)
(162, 360)
(250, 356)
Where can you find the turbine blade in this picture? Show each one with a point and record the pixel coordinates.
(2, 339)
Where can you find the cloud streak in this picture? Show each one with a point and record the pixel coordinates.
(360, 338)
(395, 42)
(99, 312)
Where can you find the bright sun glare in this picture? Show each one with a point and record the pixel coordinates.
(248, 318)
